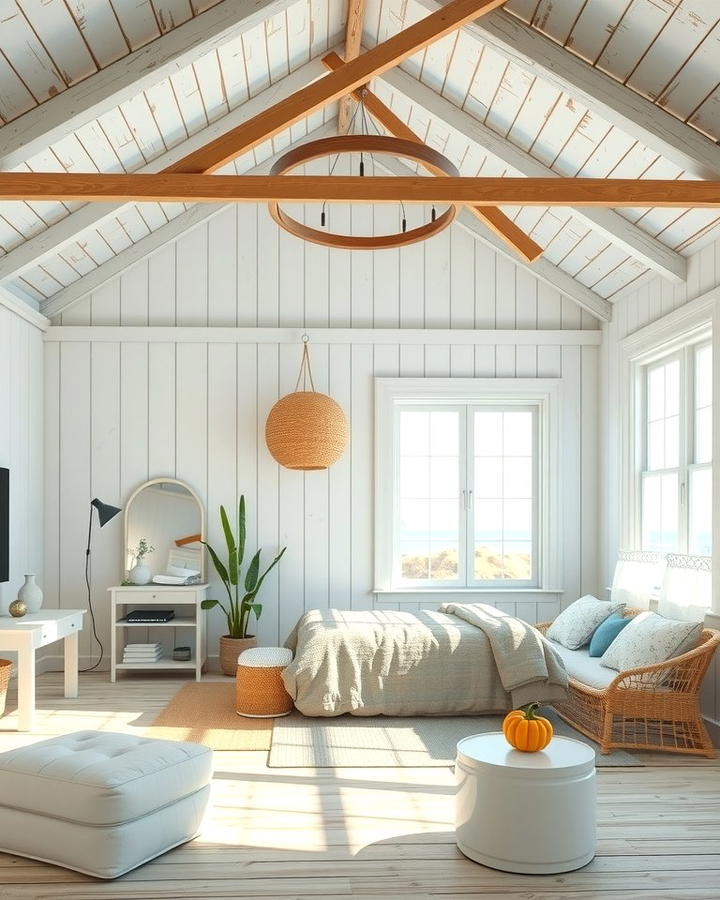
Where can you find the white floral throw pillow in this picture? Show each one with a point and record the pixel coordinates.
(650, 639)
(574, 626)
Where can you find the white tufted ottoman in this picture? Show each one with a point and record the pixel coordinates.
(102, 803)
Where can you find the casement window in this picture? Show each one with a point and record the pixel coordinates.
(676, 477)
(462, 483)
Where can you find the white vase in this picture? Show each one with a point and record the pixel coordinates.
(139, 574)
(30, 594)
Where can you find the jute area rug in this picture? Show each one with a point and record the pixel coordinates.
(385, 742)
(204, 713)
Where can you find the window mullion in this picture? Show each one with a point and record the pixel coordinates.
(467, 450)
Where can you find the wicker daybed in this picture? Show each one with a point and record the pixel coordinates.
(652, 708)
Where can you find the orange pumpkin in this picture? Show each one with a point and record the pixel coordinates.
(525, 731)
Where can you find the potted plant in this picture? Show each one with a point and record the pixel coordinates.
(241, 593)
(140, 573)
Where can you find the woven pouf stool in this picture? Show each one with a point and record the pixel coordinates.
(261, 693)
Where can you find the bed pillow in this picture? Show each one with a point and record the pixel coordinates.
(650, 639)
(574, 626)
(606, 632)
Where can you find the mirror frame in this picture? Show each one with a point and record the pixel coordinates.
(201, 507)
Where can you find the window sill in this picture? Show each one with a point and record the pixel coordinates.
(451, 590)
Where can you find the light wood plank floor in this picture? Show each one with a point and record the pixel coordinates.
(374, 833)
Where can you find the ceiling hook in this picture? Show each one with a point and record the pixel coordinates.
(305, 338)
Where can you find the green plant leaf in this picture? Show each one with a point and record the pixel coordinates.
(232, 548)
(242, 530)
(219, 566)
(251, 576)
(257, 609)
(209, 604)
(272, 565)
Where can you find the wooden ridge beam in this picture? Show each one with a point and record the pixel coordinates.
(494, 218)
(336, 84)
(67, 111)
(163, 188)
(353, 39)
(616, 228)
(634, 114)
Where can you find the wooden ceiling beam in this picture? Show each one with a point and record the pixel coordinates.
(336, 84)
(353, 40)
(632, 113)
(163, 188)
(67, 111)
(494, 218)
(193, 217)
(65, 231)
(541, 270)
(616, 228)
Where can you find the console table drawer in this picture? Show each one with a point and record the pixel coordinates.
(157, 597)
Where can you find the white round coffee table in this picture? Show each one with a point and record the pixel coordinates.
(525, 812)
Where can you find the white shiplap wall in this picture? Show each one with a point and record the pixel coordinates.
(123, 410)
(21, 445)
(650, 302)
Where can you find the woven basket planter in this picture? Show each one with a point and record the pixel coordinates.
(230, 649)
(5, 672)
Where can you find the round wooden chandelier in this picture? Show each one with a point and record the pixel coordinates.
(363, 143)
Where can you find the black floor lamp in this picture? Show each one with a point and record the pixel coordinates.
(105, 513)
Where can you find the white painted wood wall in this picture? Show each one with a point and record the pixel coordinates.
(21, 445)
(124, 410)
(654, 299)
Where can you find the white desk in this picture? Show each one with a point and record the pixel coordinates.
(35, 630)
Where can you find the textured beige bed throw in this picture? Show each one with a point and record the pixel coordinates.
(378, 662)
(529, 668)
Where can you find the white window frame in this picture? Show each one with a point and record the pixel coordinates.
(544, 395)
(674, 334)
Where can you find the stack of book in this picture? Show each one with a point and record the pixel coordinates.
(142, 653)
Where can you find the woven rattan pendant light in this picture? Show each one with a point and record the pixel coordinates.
(306, 429)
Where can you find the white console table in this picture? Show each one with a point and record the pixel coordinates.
(35, 630)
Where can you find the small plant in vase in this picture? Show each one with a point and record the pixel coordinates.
(242, 593)
(140, 573)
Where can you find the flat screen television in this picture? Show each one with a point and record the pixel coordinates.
(4, 525)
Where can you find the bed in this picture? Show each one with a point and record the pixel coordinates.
(463, 659)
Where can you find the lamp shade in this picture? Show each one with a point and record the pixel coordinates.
(105, 511)
(306, 430)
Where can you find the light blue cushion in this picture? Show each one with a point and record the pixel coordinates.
(606, 632)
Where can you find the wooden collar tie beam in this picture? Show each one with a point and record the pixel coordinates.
(162, 188)
(493, 218)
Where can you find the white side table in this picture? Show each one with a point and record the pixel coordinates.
(532, 813)
(35, 630)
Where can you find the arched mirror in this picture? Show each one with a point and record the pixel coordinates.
(164, 524)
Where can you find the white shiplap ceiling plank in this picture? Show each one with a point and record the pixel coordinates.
(92, 215)
(610, 223)
(508, 37)
(86, 101)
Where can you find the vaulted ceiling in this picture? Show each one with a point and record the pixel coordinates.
(597, 88)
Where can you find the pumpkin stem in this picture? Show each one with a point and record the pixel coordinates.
(529, 710)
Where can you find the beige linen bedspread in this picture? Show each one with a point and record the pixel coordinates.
(373, 662)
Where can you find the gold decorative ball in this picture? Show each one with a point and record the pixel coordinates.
(306, 430)
(17, 609)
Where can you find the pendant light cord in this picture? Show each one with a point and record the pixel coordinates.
(305, 371)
